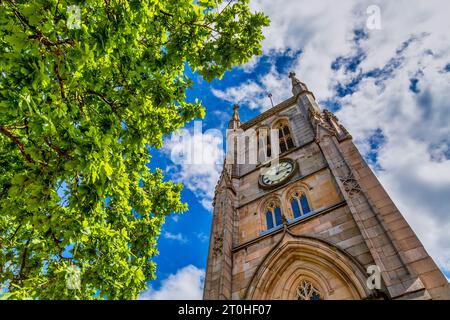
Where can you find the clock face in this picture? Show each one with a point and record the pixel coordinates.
(277, 173)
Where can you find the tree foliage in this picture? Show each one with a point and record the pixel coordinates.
(82, 103)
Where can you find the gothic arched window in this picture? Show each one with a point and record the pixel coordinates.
(264, 147)
(307, 291)
(284, 136)
(273, 215)
(299, 205)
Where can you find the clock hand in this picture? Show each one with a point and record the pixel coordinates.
(282, 171)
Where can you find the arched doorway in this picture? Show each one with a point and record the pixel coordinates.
(307, 268)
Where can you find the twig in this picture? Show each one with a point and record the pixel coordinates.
(15, 232)
(37, 33)
(24, 258)
(112, 104)
(218, 15)
(57, 243)
(192, 22)
(19, 145)
(60, 79)
(14, 127)
(59, 151)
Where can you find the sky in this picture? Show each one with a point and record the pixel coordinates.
(382, 66)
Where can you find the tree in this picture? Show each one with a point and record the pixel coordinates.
(86, 92)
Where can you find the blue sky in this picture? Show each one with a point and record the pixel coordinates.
(388, 86)
(184, 239)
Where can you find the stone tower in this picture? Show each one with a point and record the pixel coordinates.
(306, 218)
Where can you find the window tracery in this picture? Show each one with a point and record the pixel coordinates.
(284, 136)
(273, 214)
(307, 291)
(299, 204)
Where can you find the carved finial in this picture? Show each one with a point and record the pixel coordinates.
(297, 85)
(235, 121)
(235, 115)
(294, 78)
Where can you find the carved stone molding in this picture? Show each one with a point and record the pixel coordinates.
(319, 120)
(315, 116)
(218, 244)
(350, 184)
(333, 123)
(330, 116)
(345, 133)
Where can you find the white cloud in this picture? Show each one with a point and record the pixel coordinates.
(254, 94)
(198, 160)
(413, 162)
(321, 29)
(415, 172)
(175, 236)
(185, 284)
(415, 168)
(249, 93)
(251, 64)
(203, 237)
(222, 118)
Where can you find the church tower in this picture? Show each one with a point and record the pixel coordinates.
(298, 214)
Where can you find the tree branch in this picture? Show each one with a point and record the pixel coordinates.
(59, 151)
(112, 104)
(60, 79)
(37, 33)
(57, 244)
(191, 23)
(16, 126)
(218, 15)
(19, 145)
(15, 232)
(24, 258)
